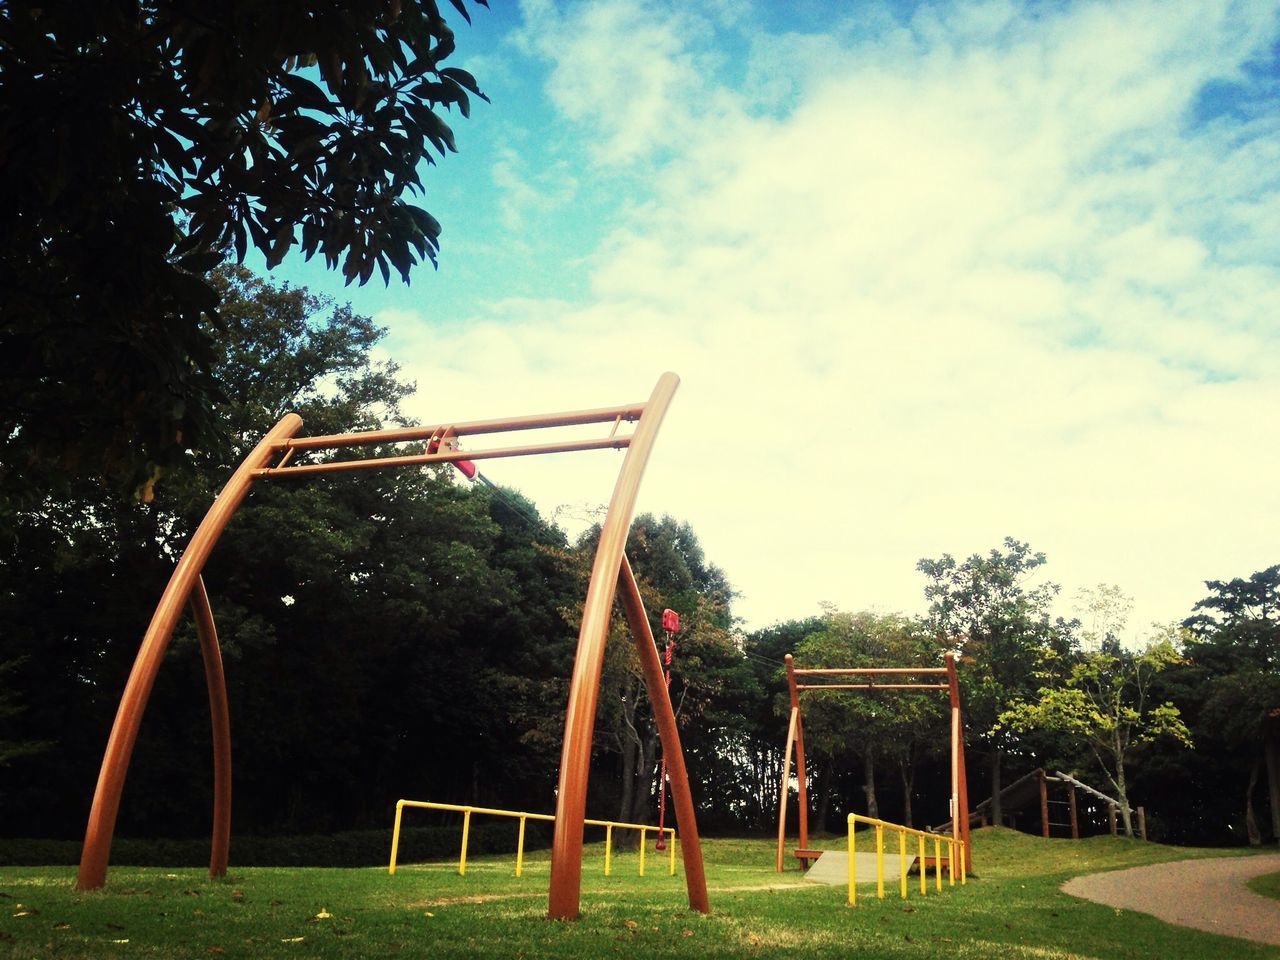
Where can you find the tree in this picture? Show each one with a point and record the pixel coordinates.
(1233, 680)
(672, 571)
(754, 743)
(140, 142)
(1106, 701)
(352, 611)
(1003, 624)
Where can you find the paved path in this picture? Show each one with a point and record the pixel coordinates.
(1205, 894)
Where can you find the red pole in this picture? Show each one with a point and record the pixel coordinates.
(670, 624)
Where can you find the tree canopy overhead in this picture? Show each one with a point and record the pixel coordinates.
(140, 143)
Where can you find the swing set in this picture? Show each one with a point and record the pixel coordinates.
(273, 459)
(866, 679)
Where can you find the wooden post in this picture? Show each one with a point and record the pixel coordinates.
(1044, 807)
(1142, 822)
(1111, 817)
(1071, 803)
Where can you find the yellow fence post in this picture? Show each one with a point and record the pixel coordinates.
(466, 830)
(608, 850)
(395, 837)
(951, 862)
(937, 864)
(879, 861)
(853, 871)
(963, 866)
(642, 845)
(520, 849)
(924, 871)
(671, 854)
(902, 862)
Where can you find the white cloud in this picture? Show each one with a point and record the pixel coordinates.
(968, 277)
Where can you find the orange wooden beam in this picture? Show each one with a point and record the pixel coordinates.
(124, 732)
(695, 877)
(584, 685)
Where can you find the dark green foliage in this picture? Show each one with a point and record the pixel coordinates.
(1004, 630)
(385, 635)
(140, 142)
(1225, 688)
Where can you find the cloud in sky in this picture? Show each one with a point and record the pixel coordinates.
(929, 280)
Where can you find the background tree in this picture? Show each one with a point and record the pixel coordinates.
(755, 744)
(1003, 623)
(351, 612)
(1231, 680)
(139, 142)
(672, 571)
(1106, 701)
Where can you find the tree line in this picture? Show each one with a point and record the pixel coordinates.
(407, 634)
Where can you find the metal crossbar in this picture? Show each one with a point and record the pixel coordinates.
(870, 686)
(862, 671)
(522, 816)
(441, 440)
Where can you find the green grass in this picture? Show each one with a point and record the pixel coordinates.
(1268, 885)
(1013, 910)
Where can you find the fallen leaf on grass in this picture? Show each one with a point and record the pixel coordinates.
(629, 924)
(217, 950)
(61, 925)
(292, 939)
(686, 932)
(427, 913)
(125, 940)
(322, 915)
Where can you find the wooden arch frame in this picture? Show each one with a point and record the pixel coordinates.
(899, 678)
(610, 576)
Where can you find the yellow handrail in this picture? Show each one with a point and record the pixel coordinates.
(955, 851)
(467, 811)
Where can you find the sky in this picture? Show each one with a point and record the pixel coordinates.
(931, 274)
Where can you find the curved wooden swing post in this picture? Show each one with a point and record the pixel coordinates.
(220, 721)
(584, 686)
(124, 732)
(682, 798)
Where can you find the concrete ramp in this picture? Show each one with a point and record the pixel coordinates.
(833, 867)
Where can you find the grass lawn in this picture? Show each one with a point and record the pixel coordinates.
(1268, 885)
(1012, 910)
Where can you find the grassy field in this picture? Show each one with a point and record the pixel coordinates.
(1012, 910)
(1268, 885)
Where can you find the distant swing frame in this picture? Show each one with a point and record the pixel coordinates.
(900, 678)
(611, 577)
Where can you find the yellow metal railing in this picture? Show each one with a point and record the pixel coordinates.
(955, 855)
(467, 811)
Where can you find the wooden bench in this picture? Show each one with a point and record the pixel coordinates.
(806, 857)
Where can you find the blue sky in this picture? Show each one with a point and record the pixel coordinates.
(932, 274)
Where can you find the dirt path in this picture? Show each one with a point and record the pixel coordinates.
(1205, 894)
